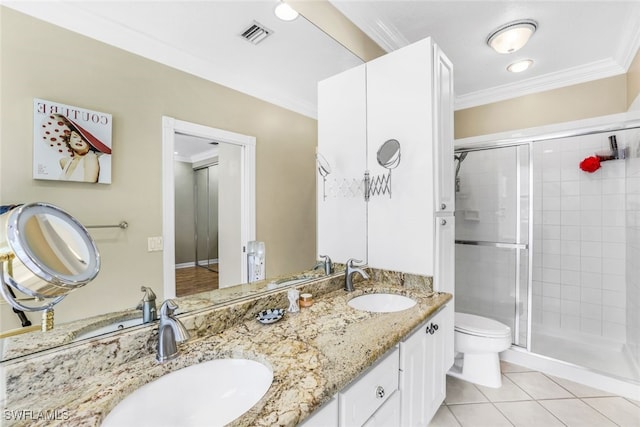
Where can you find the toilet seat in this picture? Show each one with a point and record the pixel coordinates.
(480, 326)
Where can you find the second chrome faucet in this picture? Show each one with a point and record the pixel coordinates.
(171, 332)
(348, 276)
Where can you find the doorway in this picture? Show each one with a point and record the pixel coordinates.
(236, 218)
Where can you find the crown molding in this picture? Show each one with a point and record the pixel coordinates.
(632, 49)
(568, 77)
(384, 35)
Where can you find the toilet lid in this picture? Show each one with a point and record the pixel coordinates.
(480, 326)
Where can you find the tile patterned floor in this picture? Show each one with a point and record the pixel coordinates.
(532, 399)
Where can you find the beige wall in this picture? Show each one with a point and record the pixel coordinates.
(325, 16)
(581, 101)
(48, 62)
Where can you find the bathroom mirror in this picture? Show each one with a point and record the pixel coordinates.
(389, 154)
(46, 254)
(115, 198)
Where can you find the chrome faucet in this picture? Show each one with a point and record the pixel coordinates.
(351, 269)
(148, 305)
(170, 332)
(326, 264)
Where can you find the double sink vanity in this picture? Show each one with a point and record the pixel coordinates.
(348, 359)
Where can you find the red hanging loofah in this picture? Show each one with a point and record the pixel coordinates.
(590, 164)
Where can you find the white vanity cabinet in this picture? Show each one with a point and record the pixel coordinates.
(371, 400)
(388, 414)
(406, 95)
(370, 393)
(424, 362)
(327, 416)
(405, 388)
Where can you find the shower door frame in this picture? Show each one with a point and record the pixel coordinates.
(612, 123)
(518, 247)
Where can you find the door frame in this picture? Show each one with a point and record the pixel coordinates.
(171, 126)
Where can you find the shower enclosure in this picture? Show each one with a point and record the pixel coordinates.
(549, 249)
(492, 236)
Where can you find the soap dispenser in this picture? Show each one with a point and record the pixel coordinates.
(256, 261)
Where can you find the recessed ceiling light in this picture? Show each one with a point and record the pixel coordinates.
(512, 36)
(285, 12)
(520, 66)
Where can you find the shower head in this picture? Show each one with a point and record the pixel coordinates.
(460, 158)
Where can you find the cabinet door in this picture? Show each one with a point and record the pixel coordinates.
(443, 133)
(399, 106)
(342, 212)
(444, 273)
(360, 400)
(327, 416)
(422, 371)
(388, 415)
(444, 278)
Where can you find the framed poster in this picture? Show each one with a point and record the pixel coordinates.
(71, 143)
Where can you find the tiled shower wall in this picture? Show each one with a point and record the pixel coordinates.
(579, 242)
(633, 250)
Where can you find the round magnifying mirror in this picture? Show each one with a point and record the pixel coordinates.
(389, 154)
(323, 165)
(54, 253)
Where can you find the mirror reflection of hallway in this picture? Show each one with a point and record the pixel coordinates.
(196, 214)
(194, 153)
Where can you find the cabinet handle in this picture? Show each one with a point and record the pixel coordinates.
(432, 328)
(380, 392)
(443, 206)
(443, 222)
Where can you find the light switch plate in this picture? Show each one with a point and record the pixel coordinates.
(154, 244)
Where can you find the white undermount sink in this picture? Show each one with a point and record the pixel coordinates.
(212, 393)
(381, 303)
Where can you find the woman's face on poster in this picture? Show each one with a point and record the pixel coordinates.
(78, 144)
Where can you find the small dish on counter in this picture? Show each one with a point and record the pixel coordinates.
(270, 315)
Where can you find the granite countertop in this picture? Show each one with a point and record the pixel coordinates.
(29, 343)
(313, 354)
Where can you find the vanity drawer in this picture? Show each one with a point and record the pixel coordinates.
(362, 398)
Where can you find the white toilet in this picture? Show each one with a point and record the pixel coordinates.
(478, 340)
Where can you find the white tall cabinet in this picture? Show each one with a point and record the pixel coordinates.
(342, 121)
(406, 95)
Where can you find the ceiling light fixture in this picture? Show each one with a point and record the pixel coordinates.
(520, 66)
(512, 36)
(285, 12)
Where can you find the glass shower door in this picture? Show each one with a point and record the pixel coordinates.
(492, 236)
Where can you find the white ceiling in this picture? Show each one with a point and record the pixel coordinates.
(192, 149)
(576, 41)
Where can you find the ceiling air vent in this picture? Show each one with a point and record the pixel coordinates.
(256, 33)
